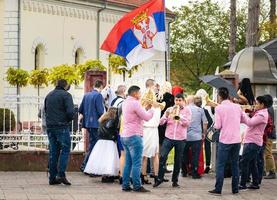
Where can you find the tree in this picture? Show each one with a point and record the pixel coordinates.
(89, 65)
(252, 34)
(17, 77)
(66, 72)
(199, 42)
(233, 29)
(272, 18)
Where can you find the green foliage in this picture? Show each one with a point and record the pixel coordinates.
(6, 116)
(89, 65)
(66, 72)
(269, 29)
(200, 40)
(17, 77)
(118, 65)
(38, 77)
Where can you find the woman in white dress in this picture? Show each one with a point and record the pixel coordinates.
(151, 144)
(104, 158)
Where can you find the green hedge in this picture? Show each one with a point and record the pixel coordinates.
(9, 120)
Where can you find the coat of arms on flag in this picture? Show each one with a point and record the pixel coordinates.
(139, 34)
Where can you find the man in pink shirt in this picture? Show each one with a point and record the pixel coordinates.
(175, 136)
(228, 117)
(133, 115)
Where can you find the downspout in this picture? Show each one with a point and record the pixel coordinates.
(98, 30)
(18, 59)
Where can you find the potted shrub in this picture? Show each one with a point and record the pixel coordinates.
(65, 72)
(89, 65)
(39, 77)
(17, 77)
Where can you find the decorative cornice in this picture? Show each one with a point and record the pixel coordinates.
(59, 10)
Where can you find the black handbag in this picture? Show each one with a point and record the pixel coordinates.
(213, 134)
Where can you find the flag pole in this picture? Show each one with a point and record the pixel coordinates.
(166, 46)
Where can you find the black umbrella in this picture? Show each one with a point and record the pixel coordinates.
(218, 82)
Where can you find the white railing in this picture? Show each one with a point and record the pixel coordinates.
(21, 129)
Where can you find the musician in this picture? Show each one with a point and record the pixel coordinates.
(228, 117)
(177, 118)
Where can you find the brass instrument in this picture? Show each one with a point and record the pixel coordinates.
(149, 97)
(210, 102)
(175, 113)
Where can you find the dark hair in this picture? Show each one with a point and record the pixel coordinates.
(98, 84)
(223, 93)
(180, 96)
(133, 89)
(262, 100)
(269, 100)
(149, 82)
(62, 83)
(246, 90)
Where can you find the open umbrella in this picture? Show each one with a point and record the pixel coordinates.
(218, 82)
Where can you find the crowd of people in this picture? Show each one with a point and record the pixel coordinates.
(132, 132)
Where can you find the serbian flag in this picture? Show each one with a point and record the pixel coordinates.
(139, 34)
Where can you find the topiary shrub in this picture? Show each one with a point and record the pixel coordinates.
(7, 117)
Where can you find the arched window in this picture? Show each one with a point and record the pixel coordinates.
(39, 56)
(79, 56)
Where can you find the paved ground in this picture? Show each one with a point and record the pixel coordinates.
(34, 185)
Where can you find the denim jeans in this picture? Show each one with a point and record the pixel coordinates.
(93, 138)
(225, 152)
(249, 161)
(168, 144)
(260, 164)
(133, 147)
(195, 148)
(59, 151)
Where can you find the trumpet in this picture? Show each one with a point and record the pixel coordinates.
(175, 113)
(150, 98)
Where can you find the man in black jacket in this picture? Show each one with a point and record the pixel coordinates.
(59, 111)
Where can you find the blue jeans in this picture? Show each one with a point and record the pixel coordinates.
(195, 148)
(133, 147)
(59, 151)
(225, 152)
(93, 138)
(249, 161)
(168, 144)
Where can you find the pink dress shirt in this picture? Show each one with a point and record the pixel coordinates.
(228, 117)
(177, 130)
(256, 125)
(133, 115)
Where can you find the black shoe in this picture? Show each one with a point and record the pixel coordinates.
(64, 180)
(196, 176)
(253, 187)
(128, 189)
(207, 170)
(242, 187)
(165, 180)
(235, 192)
(107, 179)
(152, 176)
(157, 183)
(82, 169)
(54, 182)
(175, 184)
(144, 180)
(214, 192)
(120, 180)
(141, 189)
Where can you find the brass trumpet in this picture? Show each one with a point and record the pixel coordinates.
(149, 97)
(175, 113)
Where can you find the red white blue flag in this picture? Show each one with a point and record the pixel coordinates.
(139, 34)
